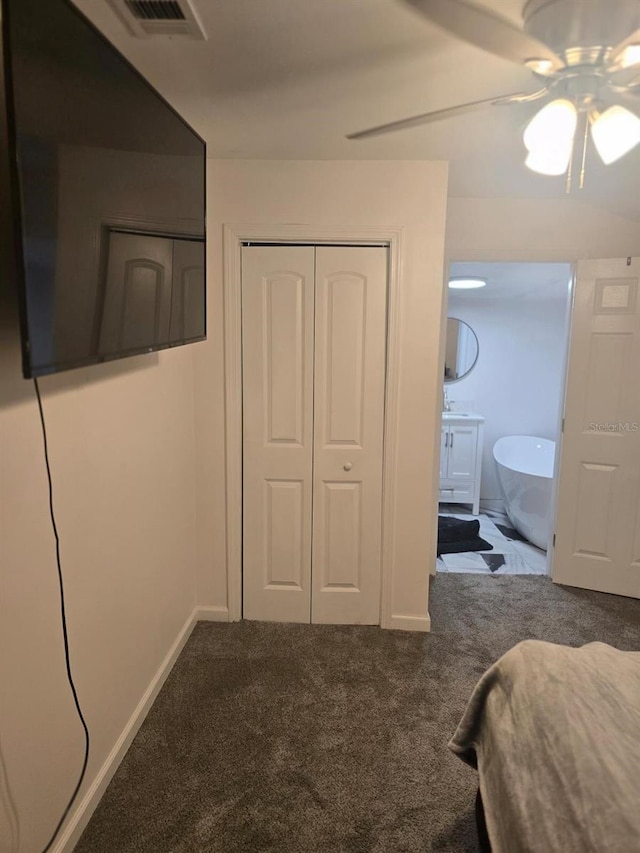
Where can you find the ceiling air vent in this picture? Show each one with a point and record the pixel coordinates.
(145, 18)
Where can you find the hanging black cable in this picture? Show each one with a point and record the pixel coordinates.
(65, 635)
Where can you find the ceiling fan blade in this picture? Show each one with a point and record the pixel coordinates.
(631, 87)
(485, 29)
(622, 58)
(447, 112)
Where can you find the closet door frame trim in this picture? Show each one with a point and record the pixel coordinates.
(234, 236)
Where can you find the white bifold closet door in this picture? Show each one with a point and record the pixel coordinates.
(349, 382)
(277, 394)
(314, 341)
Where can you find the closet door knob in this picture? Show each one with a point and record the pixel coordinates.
(347, 466)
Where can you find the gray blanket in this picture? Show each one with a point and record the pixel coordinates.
(555, 735)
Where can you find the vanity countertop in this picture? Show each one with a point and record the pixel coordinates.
(464, 417)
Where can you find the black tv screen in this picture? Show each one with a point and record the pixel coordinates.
(108, 195)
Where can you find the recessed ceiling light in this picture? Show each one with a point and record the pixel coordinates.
(467, 282)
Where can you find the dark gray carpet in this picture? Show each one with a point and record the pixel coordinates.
(323, 739)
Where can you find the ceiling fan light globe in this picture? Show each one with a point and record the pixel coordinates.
(554, 126)
(549, 161)
(615, 132)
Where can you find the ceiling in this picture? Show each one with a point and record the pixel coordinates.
(521, 281)
(287, 79)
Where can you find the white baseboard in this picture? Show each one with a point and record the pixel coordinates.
(410, 623)
(216, 613)
(81, 815)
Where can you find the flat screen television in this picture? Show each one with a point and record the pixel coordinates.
(107, 194)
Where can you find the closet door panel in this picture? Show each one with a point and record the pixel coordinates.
(350, 348)
(277, 364)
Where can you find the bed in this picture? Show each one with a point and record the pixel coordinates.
(554, 733)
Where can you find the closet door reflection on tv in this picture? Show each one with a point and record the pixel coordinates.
(187, 315)
(137, 293)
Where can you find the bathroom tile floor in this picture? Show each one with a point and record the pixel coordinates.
(511, 554)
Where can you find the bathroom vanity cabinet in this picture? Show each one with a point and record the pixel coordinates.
(461, 459)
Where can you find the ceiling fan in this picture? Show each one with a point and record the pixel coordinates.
(585, 57)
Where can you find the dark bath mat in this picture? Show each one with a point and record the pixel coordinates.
(455, 536)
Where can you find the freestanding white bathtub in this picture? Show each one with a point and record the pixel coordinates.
(525, 474)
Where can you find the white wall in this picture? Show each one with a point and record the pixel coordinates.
(521, 229)
(122, 447)
(122, 454)
(518, 379)
(337, 194)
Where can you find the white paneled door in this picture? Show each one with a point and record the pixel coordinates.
(598, 512)
(350, 345)
(277, 378)
(314, 337)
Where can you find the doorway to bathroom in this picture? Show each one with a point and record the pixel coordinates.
(505, 360)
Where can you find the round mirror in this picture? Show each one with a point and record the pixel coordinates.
(461, 350)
